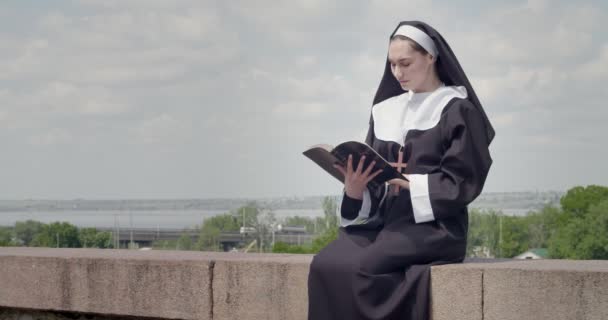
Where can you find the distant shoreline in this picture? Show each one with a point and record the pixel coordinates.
(179, 213)
(520, 200)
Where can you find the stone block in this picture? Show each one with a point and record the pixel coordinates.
(158, 284)
(456, 292)
(261, 287)
(546, 290)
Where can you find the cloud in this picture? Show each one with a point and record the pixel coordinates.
(517, 87)
(504, 120)
(68, 99)
(300, 110)
(247, 79)
(162, 129)
(52, 137)
(596, 69)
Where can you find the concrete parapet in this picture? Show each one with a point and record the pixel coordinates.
(270, 287)
(202, 285)
(172, 285)
(522, 289)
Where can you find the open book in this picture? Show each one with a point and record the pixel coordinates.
(326, 156)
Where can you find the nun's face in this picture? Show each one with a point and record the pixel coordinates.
(413, 69)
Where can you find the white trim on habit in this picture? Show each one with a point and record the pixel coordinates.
(394, 117)
(364, 212)
(421, 201)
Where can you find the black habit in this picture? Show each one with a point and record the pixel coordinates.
(379, 267)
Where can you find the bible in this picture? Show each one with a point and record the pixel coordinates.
(326, 156)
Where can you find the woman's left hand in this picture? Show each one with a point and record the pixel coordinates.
(400, 182)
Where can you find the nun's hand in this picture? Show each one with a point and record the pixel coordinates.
(400, 182)
(355, 180)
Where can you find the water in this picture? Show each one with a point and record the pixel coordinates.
(141, 218)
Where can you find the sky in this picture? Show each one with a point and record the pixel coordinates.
(218, 99)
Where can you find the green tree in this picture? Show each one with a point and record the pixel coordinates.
(483, 231)
(6, 237)
(329, 229)
(320, 225)
(584, 236)
(185, 241)
(330, 211)
(87, 237)
(580, 230)
(542, 225)
(26, 231)
(92, 238)
(282, 247)
(103, 240)
(211, 229)
(326, 227)
(578, 199)
(595, 242)
(318, 243)
(57, 234)
(260, 219)
(247, 215)
(514, 236)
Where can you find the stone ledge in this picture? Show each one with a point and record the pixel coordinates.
(157, 284)
(206, 285)
(521, 289)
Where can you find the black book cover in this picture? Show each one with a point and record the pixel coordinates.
(326, 156)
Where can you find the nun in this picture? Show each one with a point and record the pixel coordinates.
(427, 120)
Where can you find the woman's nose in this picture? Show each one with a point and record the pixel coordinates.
(398, 72)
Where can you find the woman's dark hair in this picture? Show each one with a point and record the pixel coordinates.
(413, 43)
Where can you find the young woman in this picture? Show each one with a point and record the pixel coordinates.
(425, 114)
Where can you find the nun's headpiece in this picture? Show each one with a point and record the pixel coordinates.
(418, 36)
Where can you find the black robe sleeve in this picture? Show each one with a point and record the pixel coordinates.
(465, 163)
(352, 208)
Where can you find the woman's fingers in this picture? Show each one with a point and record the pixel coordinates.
(349, 164)
(360, 165)
(373, 175)
(399, 182)
(369, 168)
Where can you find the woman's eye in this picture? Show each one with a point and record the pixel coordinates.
(405, 65)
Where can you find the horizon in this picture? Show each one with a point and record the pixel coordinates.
(251, 198)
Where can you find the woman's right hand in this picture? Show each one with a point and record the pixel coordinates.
(355, 180)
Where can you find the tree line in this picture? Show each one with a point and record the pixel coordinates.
(263, 221)
(32, 233)
(578, 229)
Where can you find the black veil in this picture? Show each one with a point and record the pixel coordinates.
(449, 70)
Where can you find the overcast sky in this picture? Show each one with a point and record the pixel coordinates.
(183, 99)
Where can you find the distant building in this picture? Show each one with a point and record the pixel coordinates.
(536, 253)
